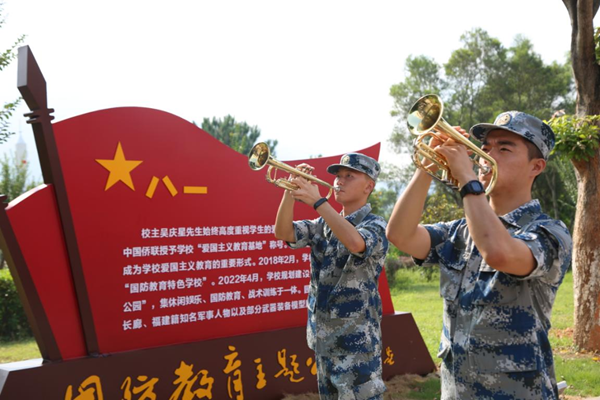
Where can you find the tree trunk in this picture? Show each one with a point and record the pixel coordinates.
(586, 240)
(586, 258)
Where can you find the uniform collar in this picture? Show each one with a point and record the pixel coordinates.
(524, 214)
(357, 216)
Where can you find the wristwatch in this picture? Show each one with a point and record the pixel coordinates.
(472, 187)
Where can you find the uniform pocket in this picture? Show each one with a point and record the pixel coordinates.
(505, 358)
(451, 273)
(495, 287)
(493, 350)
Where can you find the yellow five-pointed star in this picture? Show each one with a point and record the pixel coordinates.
(119, 169)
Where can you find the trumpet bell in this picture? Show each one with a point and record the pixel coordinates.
(259, 155)
(425, 114)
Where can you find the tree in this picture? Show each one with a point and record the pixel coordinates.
(237, 135)
(526, 74)
(578, 138)
(423, 76)
(8, 108)
(14, 175)
(382, 202)
(556, 189)
(469, 73)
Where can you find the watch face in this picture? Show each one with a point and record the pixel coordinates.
(477, 186)
(473, 187)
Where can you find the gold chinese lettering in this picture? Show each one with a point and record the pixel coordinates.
(290, 373)
(261, 382)
(389, 356)
(90, 389)
(147, 386)
(313, 366)
(185, 381)
(234, 383)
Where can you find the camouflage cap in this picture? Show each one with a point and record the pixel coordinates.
(358, 162)
(525, 125)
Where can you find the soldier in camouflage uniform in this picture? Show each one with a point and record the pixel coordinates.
(348, 250)
(500, 266)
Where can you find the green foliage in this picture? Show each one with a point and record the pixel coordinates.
(556, 189)
(382, 202)
(578, 138)
(597, 42)
(394, 262)
(238, 135)
(13, 322)
(6, 111)
(14, 180)
(469, 72)
(482, 79)
(14, 177)
(422, 77)
(442, 206)
(529, 85)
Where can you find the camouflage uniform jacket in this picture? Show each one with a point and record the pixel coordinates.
(495, 323)
(344, 306)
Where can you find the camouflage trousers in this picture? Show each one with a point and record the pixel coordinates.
(350, 377)
(460, 381)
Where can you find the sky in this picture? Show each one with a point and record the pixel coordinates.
(314, 75)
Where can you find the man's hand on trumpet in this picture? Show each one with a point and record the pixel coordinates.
(457, 156)
(307, 192)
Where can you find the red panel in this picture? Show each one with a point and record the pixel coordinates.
(146, 245)
(35, 221)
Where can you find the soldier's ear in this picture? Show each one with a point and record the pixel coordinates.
(538, 166)
(370, 185)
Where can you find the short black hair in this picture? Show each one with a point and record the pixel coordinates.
(532, 150)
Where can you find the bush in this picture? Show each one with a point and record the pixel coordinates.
(397, 260)
(393, 263)
(13, 321)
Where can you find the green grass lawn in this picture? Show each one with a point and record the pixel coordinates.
(411, 292)
(18, 351)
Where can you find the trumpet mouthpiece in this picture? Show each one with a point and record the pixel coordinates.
(337, 188)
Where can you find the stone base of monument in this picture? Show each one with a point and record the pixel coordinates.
(262, 366)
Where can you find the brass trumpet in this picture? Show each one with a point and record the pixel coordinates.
(260, 156)
(425, 120)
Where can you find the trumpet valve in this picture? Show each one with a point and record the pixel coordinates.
(484, 169)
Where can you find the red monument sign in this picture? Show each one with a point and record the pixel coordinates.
(148, 267)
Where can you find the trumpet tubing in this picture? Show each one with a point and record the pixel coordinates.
(425, 121)
(260, 157)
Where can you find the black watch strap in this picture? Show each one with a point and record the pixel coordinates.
(319, 202)
(472, 187)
